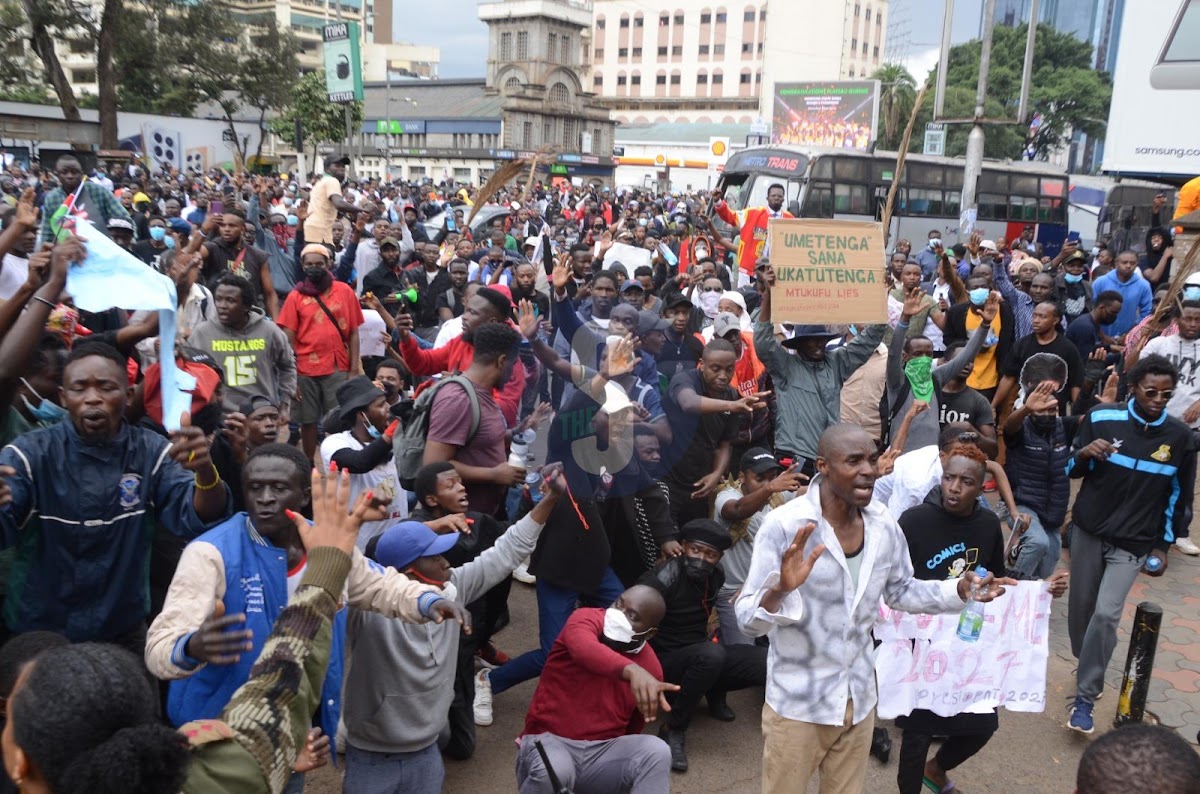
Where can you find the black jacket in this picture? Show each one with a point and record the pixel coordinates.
(1141, 497)
(688, 605)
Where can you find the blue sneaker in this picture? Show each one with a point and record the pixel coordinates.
(1081, 716)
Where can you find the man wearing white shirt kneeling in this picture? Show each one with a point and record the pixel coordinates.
(821, 563)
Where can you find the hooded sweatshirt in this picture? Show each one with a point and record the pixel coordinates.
(258, 361)
(399, 689)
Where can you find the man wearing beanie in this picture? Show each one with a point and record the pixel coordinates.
(689, 584)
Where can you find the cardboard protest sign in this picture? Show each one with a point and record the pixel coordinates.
(922, 664)
(827, 271)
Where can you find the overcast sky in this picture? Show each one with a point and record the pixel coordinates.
(454, 26)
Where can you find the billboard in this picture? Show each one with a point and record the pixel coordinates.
(1155, 109)
(343, 68)
(841, 115)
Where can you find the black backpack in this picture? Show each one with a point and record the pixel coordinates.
(409, 444)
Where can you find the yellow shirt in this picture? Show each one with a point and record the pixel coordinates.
(318, 226)
(986, 374)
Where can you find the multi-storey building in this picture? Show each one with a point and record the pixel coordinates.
(698, 60)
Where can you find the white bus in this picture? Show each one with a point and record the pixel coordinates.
(836, 183)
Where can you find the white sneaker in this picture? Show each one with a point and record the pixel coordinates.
(1187, 546)
(521, 574)
(483, 699)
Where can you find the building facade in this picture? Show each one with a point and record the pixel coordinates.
(700, 61)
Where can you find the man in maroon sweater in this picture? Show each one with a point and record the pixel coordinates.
(601, 684)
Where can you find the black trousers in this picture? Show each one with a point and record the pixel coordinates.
(914, 750)
(709, 667)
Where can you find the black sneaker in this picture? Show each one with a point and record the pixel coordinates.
(881, 744)
(718, 709)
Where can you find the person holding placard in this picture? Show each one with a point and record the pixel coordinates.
(951, 518)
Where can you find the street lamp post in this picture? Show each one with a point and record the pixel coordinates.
(975, 140)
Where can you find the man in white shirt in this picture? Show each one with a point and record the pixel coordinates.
(821, 563)
(325, 201)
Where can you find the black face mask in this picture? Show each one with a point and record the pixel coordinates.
(1043, 424)
(698, 570)
(316, 275)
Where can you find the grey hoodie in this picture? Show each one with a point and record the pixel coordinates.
(401, 676)
(258, 361)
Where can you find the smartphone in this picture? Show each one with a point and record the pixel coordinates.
(1178, 66)
(216, 208)
(1073, 237)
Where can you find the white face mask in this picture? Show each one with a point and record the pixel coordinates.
(618, 629)
(701, 253)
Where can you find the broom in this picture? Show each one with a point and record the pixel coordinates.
(499, 178)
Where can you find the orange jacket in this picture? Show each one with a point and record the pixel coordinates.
(751, 224)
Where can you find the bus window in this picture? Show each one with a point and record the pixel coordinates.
(953, 203)
(993, 206)
(853, 169)
(954, 179)
(734, 186)
(1022, 208)
(993, 182)
(1051, 210)
(1023, 185)
(919, 201)
(883, 171)
(925, 175)
(1055, 186)
(850, 199)
(819, 201)
(823, 168)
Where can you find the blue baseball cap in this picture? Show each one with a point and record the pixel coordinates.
(403, 544)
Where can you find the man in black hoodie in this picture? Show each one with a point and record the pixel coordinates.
(689, 584)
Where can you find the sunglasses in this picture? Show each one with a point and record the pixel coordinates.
(968, 438)
(1154, 394)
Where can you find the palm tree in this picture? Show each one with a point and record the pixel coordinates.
(898, 92)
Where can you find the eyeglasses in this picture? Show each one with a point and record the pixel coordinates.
(968, 438)
(1154, 394)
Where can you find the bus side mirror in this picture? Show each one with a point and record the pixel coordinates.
(794, 208)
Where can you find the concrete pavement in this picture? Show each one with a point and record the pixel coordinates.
(1031, 752)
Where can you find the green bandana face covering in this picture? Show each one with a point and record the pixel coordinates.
(919, 371)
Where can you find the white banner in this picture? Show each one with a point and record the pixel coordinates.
(922, 664)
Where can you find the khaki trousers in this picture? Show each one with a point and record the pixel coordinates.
(793, 751)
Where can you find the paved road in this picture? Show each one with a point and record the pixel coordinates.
(1031, 752)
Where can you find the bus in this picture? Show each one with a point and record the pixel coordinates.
(1116, 211)
(853, 185)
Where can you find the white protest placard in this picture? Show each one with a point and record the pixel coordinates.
(630, 256)
(922, 664)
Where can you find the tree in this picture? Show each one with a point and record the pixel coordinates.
(20, 78)
(321, 121)
(48, 21)
(1066, 92)
(897, 93)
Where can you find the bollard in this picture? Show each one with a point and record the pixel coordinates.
(1131, 704)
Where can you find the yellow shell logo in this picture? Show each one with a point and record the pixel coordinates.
(718, 148)
(1163, 454)
(660, 159)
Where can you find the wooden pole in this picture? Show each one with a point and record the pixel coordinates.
(900, 157)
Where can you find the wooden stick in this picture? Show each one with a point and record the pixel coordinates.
(900, 157)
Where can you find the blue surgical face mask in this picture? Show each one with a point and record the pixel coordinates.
(854, 330)
(1191, 293)
(293, 220)
(1072, 278)
(169, 241)
(979, 295)
(157, 233)
(46, 412)
(372, 431)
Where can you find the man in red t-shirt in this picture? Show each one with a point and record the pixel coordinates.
(321, 319)
(601, 684)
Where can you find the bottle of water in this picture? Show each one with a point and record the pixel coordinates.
(970, 622)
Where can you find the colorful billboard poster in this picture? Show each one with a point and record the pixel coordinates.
(838, 115)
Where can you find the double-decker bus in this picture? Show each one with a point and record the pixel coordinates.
(836, 183)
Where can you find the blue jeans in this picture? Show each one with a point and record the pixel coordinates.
(295, 784)
(1040, 549)
(555, 605)
(419, 772)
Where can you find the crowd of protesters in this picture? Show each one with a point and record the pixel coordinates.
(317, 557)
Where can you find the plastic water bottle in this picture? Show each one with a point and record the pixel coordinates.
(519, 452)
(1153, 564)
(533, 484)
(970, 622)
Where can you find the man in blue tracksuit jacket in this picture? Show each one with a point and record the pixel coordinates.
(250, 565)
(87, 496)
(1136, 462)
